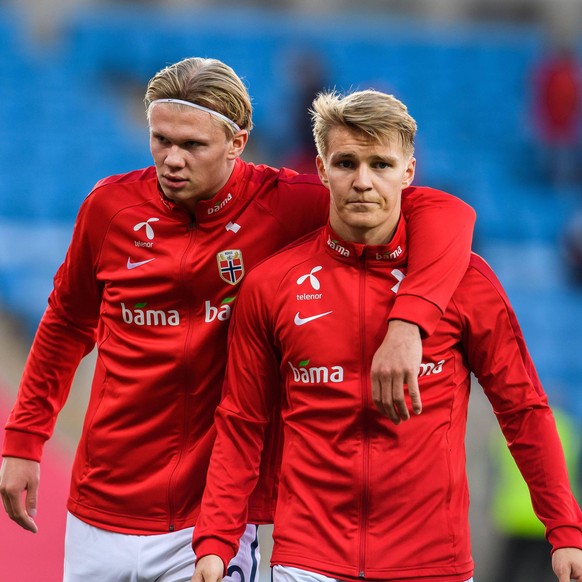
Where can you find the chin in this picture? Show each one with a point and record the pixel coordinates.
(363, 224)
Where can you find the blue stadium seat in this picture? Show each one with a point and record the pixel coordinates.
(467, 86)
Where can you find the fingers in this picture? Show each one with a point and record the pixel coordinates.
(394, 372)
(414, 393)
(15, 508)
(30, 505)
(390, 397)
(399, 406)
(567, 564)
(208, 569)
(19, 482)
(383, 400)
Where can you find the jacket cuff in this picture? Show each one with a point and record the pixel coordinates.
(417, 310)
(23, 445)
(212, 546)
(565, 537)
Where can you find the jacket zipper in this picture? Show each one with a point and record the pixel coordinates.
(364, 501)
(183, 439)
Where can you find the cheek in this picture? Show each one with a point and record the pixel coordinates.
(158, 154)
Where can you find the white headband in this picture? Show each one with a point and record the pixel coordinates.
(189, 104)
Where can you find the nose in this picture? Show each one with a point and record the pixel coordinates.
(175, 158)
(362, 178)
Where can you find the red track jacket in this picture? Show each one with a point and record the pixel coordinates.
(360, 497)
(154, 287)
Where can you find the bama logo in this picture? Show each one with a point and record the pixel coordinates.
(388, 256)
(220, 205)
(316, 374)
(151, 317)
(335, 246)
(431, 368)
(222, 312)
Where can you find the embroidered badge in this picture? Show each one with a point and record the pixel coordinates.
(230, 266)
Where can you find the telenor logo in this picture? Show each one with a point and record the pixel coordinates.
(313, 280)
(148, 229)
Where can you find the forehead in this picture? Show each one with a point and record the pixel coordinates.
(344, 141)
(179, 122)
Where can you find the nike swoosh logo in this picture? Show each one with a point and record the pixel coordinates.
(131, 265)
(303, 320)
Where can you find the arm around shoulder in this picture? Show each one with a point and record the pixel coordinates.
(440, 232)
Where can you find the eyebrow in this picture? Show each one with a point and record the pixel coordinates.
(342, 155)
(158, 134)
(375, 158)
(392, 159)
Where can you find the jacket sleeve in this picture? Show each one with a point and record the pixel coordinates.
(66, 333)
(499, 358)
(303, 205)
(241, 419)
(440, 231)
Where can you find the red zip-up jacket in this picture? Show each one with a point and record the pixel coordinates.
(154, 286)
(360, 497)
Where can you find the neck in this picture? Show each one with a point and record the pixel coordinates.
(380, 235)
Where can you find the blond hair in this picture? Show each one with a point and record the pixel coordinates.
(206, 82)
(373, 113)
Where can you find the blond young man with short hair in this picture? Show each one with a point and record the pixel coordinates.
(362, 498)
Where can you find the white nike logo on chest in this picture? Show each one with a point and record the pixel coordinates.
(131, 265)
(303, 320)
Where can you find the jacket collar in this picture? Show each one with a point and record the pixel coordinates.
(391, 254)
(218, 208)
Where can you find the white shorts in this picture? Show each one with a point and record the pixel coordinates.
(288, 574)
(92, 553)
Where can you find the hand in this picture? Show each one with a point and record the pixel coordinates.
(208, 569)
(396, 363)
(567, 564)
(18, 476)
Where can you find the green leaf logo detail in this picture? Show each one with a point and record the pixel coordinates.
(140, 305)
(227, 300)
(303, 363)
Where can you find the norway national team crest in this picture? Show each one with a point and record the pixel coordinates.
(230, 266)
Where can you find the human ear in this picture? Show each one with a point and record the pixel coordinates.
(409, 173)
(321, 171)
(239, 141)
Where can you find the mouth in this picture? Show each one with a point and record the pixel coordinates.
(361, 206)
(362, 203)
(174, 182)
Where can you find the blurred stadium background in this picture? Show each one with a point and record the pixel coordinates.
(72, 78)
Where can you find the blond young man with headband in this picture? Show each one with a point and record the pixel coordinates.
(361, 498)
(151, 277)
